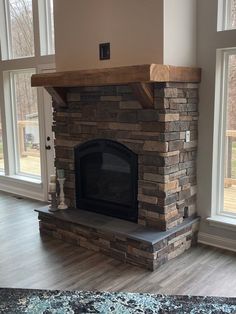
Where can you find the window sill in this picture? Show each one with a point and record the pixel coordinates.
(24, 186)
(21, 178)
(222, 222)
(26, 179)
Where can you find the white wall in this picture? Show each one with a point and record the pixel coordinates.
(180, 24)
(208, 41)
(133, 27)
(140, 31)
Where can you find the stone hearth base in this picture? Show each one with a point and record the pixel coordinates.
(123, 240)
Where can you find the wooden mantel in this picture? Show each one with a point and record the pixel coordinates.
(119, 75)
(139, 77)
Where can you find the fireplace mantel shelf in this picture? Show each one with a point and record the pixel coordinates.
(139, 77)
(118, 75)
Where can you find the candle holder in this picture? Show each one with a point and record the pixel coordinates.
(53, 206)
(62, 204)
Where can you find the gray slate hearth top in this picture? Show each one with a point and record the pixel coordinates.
(115, 225)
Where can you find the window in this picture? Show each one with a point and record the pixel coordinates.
(226, 15)
(226, 169)
(26, 123)
(230, 133)
(224, 149)
(18, 33)
(27, 45)
(17, 28)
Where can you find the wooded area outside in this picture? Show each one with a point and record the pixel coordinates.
(21, 28)
(22, 39)
(27, 123)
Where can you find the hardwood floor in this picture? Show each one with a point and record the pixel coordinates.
(29, 261)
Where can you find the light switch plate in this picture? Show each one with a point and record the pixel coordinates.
(104, 51)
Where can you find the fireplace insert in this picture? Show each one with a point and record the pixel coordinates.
(106, 174)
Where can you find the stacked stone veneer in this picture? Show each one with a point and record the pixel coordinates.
(124, 247)
(167, 164)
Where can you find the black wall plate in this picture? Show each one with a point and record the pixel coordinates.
(104, 51)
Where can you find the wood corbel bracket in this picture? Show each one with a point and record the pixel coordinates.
(144, 93)
(58, 95)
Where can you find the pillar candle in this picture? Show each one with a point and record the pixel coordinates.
(52, 187)
(53, 178)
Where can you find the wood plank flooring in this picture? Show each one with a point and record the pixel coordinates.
(29, 261)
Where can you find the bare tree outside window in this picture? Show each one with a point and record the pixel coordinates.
(27, 123)
(21, 28)
(21, 44)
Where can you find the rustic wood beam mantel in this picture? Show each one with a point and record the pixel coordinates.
(119, 75)
(139, 77)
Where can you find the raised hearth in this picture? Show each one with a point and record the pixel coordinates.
(143, 120)
(123, 240)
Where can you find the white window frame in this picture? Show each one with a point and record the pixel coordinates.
(220, 119)
(45, 22)
(224, 16)
(9, 181)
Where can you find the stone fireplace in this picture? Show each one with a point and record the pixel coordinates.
(127, 140)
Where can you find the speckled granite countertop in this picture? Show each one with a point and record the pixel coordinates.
(16, 301)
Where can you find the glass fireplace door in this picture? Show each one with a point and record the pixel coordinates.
(106, 179)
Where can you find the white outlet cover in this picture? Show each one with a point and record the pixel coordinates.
(187, 136)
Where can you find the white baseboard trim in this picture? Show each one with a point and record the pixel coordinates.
(217, 241)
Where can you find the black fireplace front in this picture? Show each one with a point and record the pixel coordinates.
(106, 175)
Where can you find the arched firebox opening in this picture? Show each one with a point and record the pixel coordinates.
(106, 174)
